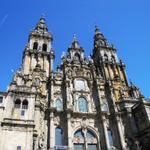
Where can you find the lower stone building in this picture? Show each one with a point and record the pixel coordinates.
(85, 104)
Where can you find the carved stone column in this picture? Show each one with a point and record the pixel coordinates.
(118, 124)
(104, 123)
(52, 131)
(106, 132)
(69, 132)
(27, 60)
(35, 141)
(33, 62)
(122, 139)
(46, 65)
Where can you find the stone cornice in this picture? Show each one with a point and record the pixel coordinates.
(18, 123)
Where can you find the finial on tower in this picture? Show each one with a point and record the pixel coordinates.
(74, 37)
(99, 39)
(43, 15)
(41, 25)
(75, 43)
(97, 30)
(96, 27)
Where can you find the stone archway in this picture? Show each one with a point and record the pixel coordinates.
(85, 139)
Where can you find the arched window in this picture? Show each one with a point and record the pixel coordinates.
(77, 57)
(17, 103)
(82, 104)
(35, 45)
(44, 48)
(113, 58)
(79, 134)
(58, 136)
(25, 104)
(58, 105)
(110, 137)
(1, 99)
(105, 57)
(90, 136)
(79, 85)
(84, 140)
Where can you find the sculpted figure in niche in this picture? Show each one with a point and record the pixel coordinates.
(70, 102)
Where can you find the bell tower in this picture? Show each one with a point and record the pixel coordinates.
(39, 50)
(107, 64)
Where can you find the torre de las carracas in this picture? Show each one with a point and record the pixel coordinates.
(85, 104)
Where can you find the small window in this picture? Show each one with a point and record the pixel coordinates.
(22, 112)
(79, 134)
(44, 48)
(104, 107)
(92, 147)
(58, 136)
(77, 57)
(1, 99)
(58, 105)
(25, 104)
(35, 46)
(113, 59)
(79, 85)
(18, 147)
(17, 103)
(110, 137)
(105, 57)
(82, 105)
(78, 146)
(90, 135)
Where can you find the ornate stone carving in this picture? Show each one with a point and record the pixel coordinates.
(56, 121)
(42, 142)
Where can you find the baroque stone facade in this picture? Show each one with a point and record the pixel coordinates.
(86, 104)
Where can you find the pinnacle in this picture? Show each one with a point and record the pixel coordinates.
(75, 43)
(99, 38)
(74, 38)
(41, 25)
(97, 30)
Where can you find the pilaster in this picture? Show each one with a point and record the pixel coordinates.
(103, 119)
(27, 62)
(118, 124)
(70, 146)
(52, 131)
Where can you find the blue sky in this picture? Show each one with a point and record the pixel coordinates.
(125, 23)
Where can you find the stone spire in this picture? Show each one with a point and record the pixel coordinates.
(97, 31)
(41, 25)
(75, 43)
(99, 39)
(41, 29)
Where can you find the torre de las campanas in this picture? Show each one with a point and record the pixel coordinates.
(85, 104)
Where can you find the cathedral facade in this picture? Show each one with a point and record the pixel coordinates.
(85, 104)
